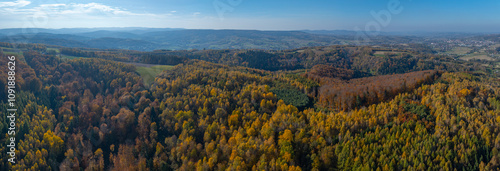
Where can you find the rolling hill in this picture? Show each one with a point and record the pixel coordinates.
(172, 39)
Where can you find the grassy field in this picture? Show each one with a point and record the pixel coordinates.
(10, 51)
(56, 49)
(460, 50)
(477, 56)
(13, 53)
(148, 74)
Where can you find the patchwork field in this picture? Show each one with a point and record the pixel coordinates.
(460, 50)
(478, 56)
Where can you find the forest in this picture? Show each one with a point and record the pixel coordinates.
(316, 108)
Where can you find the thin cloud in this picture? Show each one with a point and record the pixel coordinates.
(20, 14)
(64, 9)
(18, 3)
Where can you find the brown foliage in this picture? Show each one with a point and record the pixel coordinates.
(347, 95)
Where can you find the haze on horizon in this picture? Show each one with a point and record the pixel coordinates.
(383, 15)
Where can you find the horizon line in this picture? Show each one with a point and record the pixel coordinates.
(226, 29)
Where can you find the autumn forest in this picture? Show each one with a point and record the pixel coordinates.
(336, 107)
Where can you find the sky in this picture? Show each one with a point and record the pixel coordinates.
(367, 15)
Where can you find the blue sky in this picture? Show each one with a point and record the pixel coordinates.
(414, 15)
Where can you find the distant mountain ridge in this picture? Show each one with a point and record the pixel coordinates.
(137, 30)
(149, 39)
